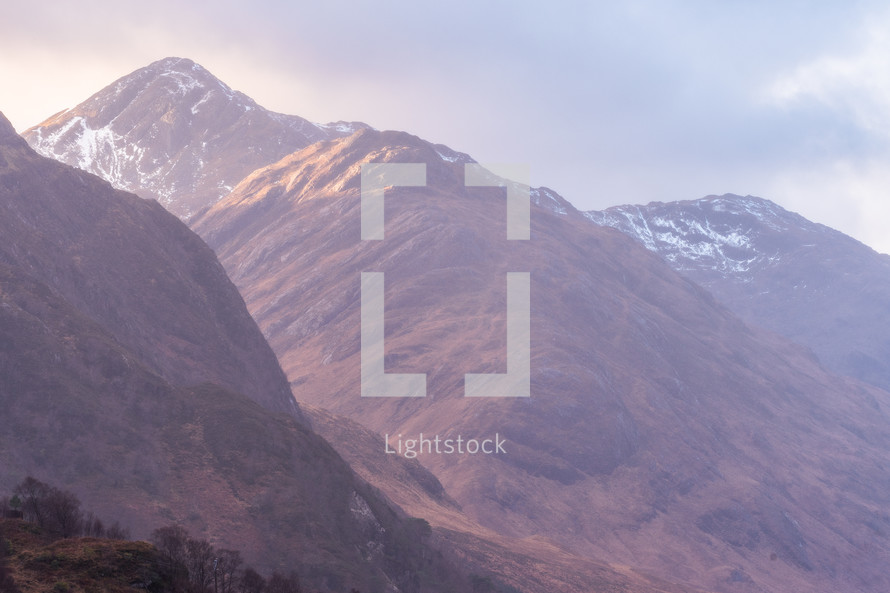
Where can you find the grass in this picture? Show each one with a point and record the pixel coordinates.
(80, 564)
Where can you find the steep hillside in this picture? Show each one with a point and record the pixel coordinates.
(136, 271)
(661, 432)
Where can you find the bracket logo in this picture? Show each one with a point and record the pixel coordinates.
(376, 382)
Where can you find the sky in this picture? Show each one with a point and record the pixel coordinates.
(607, 102)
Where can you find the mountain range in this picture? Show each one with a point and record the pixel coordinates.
(662, 431)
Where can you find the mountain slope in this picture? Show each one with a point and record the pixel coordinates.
(529, 564)
(131, 267)
(123, 347)
(173, 132)
(661, 432)
(774, 268)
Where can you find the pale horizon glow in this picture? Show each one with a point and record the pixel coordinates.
(608, 103)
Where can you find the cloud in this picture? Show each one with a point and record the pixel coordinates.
(855, 86)
(848, 195)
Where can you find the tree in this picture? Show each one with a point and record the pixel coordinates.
(32, 493)
(62, 515)
(117, 531)
(228, 564)
(283, 584)
(251, 582)
(55, 510)
(10, 508)
(93, 526)
(170, 542)
(199, 561)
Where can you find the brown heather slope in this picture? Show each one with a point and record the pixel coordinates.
(135, 270)
(173, 132)
(662, 432)
(532, 565)
(81, 564)
(122, 345)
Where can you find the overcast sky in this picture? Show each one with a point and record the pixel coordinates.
(608, 102)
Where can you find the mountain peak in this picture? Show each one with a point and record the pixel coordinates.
(181, 79)
(759, 207)
(174, 63)
(174, 132)
(726, 234)
(777, 269)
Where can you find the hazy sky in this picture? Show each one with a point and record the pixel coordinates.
(608, 102)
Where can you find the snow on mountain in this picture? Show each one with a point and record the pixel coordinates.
(174, 132)
(728, 234)
(777, 269)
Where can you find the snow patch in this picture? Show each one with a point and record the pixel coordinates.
(203, 100)
(341, 127)
(448, 159)
(692, 239)
(547, 199)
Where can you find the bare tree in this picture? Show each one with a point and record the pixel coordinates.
(62, 515)
(199, 561)
(32, 493)
(279, 583)
(170, 542)
(226, 572)
(251, 582)
(93, 526)
(117, 531)
(55, 510)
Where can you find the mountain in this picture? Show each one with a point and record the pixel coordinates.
(132, 375)
(173, 132)
(661, 431)
(777, 269)
(148, 281)
(500, 559)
